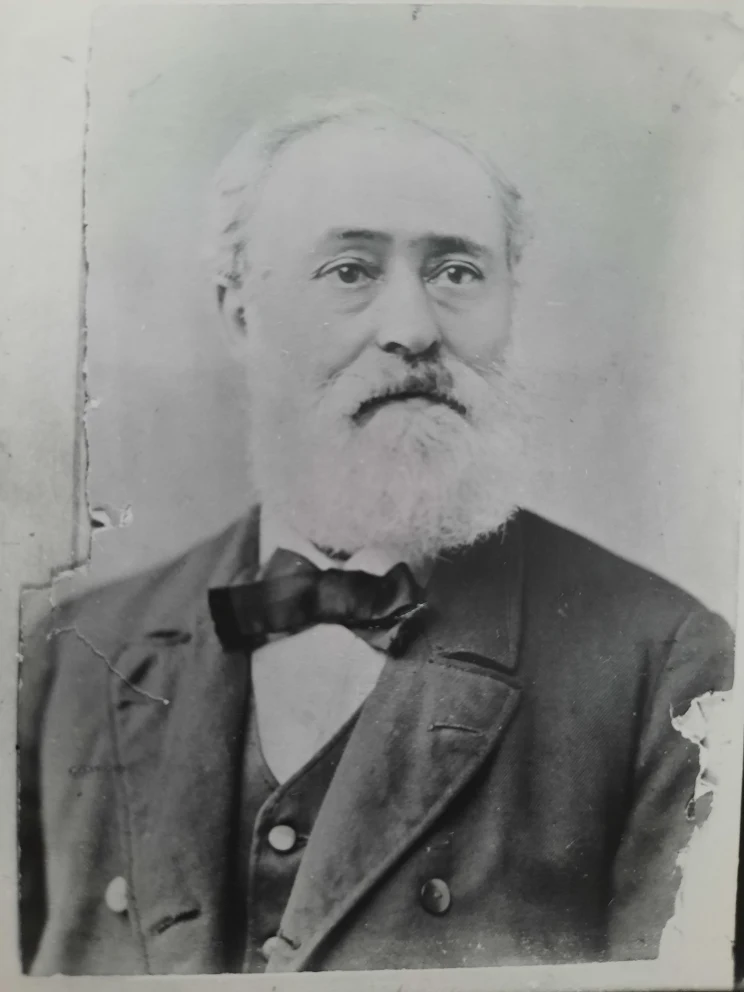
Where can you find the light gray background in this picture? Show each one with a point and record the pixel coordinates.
(616, 126)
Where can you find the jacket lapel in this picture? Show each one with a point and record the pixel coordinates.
(178, 707)
(431, 721)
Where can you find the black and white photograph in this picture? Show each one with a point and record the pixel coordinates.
(407, 429)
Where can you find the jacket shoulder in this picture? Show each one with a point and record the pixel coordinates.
(67, 656)
(578, 565)
(576, 589)
(162, 596)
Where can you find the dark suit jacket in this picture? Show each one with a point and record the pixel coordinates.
(522, 751)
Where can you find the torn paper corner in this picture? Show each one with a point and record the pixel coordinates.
(706, 724)
(699, 935)
(36, 600)
(105, 516)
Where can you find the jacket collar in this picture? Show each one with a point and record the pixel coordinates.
(178, 705)
(432, 720)
(475, 600)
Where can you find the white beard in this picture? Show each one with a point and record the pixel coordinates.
(414, 477)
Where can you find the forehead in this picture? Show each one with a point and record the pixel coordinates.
(392, 177)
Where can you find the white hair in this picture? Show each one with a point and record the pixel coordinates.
(240, 177)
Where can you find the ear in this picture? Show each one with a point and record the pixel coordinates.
(232, 312)
(238, 322)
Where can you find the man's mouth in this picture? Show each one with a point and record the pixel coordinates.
(369, 406)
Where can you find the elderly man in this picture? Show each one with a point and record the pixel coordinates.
(388, 720)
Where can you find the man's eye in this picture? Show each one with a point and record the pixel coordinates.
(455, 274)
(349, 273)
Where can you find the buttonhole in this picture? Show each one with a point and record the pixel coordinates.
(169, 637)
(483, 665)
(139, 671)
(455, 726)
(169, 921)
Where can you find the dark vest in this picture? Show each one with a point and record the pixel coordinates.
(273, 828)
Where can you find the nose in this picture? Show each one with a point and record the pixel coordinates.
(406, 322)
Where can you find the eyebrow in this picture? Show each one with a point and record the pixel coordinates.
(356, 234)
(448, 244)
(437, 244)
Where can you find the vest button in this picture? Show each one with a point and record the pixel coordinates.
(435, 896)
(282, 837)
(116, 895)
(267, 948)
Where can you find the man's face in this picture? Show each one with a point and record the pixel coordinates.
(371, 241)
(378, 306)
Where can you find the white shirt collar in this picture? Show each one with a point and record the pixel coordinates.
(277, 533)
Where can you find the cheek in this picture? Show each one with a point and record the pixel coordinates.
(481, 334)
(313, 338)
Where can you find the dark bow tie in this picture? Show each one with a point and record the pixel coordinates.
(291, 594)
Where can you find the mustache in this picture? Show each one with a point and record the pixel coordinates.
(434, 385)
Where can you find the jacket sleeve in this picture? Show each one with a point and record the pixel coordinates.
(646, 877)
